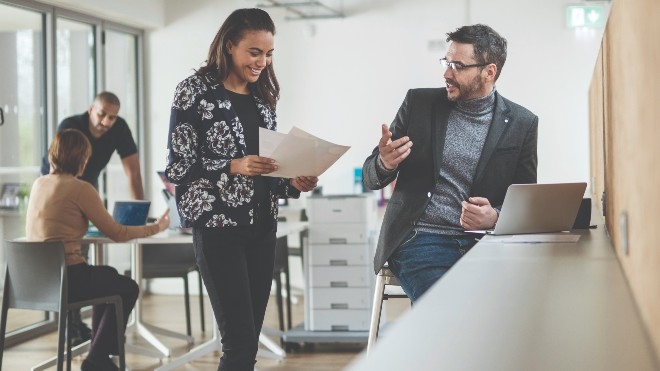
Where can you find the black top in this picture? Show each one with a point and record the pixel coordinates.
(205, 135)
(246, 110)
(118, 138)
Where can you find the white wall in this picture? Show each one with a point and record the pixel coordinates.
(342, 78)
(140, 14)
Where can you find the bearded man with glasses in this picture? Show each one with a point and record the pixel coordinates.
(453, 152)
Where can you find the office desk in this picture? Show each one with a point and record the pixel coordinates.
(147, 331)
(550, 306)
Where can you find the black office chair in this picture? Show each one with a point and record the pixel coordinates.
(282, 268)
(173, 261)
(36, 279)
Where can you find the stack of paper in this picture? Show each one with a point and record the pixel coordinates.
(298, 153)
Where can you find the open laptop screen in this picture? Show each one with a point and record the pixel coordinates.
(540, 208)
(131, 212)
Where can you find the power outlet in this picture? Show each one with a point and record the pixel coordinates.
(623, 232)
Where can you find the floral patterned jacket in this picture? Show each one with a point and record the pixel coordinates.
(205, 135)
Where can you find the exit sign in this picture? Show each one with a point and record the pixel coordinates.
(590, 16)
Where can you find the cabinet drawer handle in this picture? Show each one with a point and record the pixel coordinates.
(338, 241)
(339, 327)
(339, 262)
(339, 284)
(339, 305)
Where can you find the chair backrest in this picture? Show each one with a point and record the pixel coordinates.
(35, 277)
(168, 254)
(281, 254)
(281, 251)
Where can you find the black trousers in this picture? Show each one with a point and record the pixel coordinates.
(92, 281)
(236, 264)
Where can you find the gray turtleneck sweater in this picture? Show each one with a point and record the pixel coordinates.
(467, 128)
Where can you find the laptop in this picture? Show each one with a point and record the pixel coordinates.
(169, 187)
(133, 212)
(539, 208)
(168, 193)
(175, 219)
(126, 213)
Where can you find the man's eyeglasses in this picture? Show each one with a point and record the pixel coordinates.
(458, 66)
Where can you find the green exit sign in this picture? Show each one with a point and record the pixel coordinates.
(590, 16)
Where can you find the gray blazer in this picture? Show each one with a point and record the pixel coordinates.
(508, 157)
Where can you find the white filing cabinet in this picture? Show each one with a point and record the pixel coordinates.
(338, 260)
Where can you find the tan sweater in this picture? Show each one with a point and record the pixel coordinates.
(59, 209)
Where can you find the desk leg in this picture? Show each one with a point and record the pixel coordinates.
(137, 325)
(142, 329)
(97, 253)
(165, 332)
(213, 345)
(274, 350)
(97, 259)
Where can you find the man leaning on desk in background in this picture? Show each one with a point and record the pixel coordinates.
(453, 152)
(107, 132)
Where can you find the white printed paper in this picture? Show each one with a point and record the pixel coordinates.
(298, 153)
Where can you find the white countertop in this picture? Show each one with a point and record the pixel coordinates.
(523, 306)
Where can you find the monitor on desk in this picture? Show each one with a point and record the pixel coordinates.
(10, 198)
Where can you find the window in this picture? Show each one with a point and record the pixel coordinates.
(53, 62)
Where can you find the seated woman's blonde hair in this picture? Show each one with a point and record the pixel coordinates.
(69, 152)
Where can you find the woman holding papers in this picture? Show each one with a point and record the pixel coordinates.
(214, 161)
(59, 209)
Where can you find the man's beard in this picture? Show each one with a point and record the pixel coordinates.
(466, 92)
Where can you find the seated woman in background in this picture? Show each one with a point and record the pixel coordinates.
(60, 208)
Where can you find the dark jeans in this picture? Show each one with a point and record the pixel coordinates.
(91, 281)
(424, 257)
(236, 264)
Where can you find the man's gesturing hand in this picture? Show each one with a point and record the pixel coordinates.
(392, 153)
